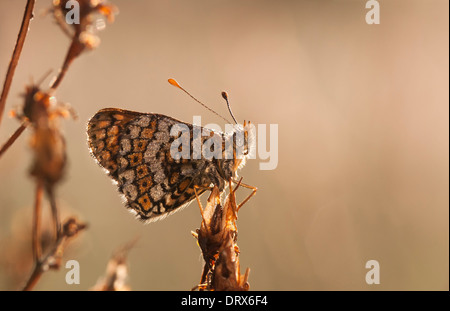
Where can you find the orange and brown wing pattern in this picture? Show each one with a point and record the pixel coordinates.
(134, 148)
(104, 130)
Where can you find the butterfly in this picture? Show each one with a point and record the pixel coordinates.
(136, 150)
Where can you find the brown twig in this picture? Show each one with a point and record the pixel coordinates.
(36, 241)
(47, 142)
(28, 15)
(82, 37)
(13, 138)
(55, 212)
(53, 259)
(116, 275)
(73, 52)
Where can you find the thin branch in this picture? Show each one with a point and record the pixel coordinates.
(72, 53)
(53, 259)
(36, 241)
(28, 15)
(116, 275)
(55, 212)
(34, 278)
(13, 138)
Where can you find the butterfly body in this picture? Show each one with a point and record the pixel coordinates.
(135, 150)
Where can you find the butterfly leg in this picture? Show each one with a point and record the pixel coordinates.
(232, 196)
(254, 189)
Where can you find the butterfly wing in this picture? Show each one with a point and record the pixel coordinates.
(104, 131)
(134, 149)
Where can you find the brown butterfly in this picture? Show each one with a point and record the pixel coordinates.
(136, 150)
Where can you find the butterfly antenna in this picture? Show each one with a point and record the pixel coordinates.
(175, 83)
(225, 96)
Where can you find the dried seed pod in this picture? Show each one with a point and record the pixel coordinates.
(217, 238)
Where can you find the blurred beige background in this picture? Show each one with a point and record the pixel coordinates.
(363, 138)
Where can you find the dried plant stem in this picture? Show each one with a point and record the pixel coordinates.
(217, 238)
(37, 251)
(34, 278)
(62, 72)
(74, 50)
(55, 212)
(53, 259)
(36, 241)
(28, 15)
(116, 275)
(13, 138)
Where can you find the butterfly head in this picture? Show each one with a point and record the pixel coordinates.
(237, 150)
(243, 138)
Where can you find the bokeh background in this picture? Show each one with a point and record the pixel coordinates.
(363, 148)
